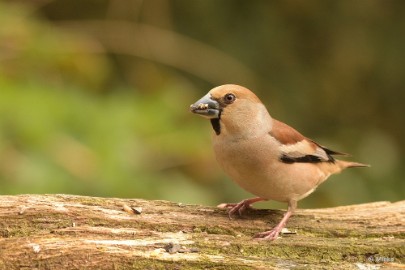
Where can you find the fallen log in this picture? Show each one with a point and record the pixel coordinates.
(78, 232)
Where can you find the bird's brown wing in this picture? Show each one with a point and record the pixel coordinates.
(295, 147)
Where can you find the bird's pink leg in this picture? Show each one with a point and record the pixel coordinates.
(273, 234)
(239, 207)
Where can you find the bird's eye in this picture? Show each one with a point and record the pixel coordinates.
(229, 98)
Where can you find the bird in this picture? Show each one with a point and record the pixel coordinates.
(264, 156)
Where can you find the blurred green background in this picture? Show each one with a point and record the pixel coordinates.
(94, 95)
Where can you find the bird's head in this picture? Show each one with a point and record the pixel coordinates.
(233, 107)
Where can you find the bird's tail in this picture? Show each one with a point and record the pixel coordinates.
(340, 165)
(349, 164)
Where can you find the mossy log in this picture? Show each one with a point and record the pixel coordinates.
(76, 232)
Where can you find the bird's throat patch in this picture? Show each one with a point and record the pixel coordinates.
(216, 125)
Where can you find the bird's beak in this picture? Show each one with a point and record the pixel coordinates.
(206, 107)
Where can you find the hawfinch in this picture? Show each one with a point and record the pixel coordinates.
(264, 156)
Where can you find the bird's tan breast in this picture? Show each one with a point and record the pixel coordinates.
(255, 166)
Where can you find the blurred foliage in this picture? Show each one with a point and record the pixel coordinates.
(94, 95)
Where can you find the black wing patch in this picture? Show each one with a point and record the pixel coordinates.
(310, 158)
(303, 159)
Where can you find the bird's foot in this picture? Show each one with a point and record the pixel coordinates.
(269, 235)
(238, 208)
(234, 208)
(274, 233)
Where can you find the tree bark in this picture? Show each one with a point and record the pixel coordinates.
(77, 232)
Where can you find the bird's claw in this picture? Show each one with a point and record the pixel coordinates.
(268, 235)
(234, 208)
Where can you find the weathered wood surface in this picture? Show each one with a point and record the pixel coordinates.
(76, 232)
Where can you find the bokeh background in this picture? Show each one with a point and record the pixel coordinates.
(94, 95)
